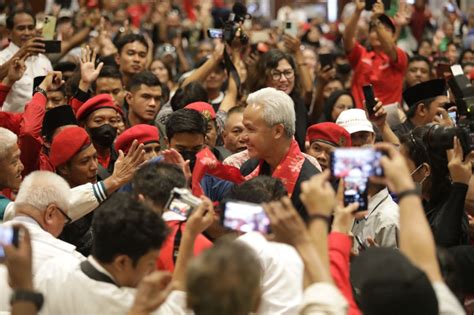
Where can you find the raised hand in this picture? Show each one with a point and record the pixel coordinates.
(293, 44)
(380, 115)
(377, 10)
(201, 218)
(89, 71)
(16, 70)
(317, 195)
(32, 47)
(152, 291)
(19, 261)
(53, 81)
(126, 165)
(460, 168)
(360, 5)
(174, 157)
(344, 217)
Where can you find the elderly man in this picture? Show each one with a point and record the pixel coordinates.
(269, 122)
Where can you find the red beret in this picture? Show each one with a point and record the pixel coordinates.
(143, 133)
(204, 108)
(95, 103)
(330, 133)
(66, 144)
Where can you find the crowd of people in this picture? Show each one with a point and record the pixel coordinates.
(341, 150)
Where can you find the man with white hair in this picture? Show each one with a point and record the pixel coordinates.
(10, 164)
(269, 122)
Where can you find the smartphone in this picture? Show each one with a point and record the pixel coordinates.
(356, 162)
(454, 117)
(355, 190)
(49, 26)
(443, 70)
(9, 236)
(326, 60)
(369, 4)
(182, 202)
(291, 28)
(245, 217)
(215, 33)
(369, 99)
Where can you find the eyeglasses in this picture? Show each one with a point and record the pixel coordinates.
(67, 218)
(276, 75)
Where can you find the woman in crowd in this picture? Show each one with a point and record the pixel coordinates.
(165, 74)
(337, 102)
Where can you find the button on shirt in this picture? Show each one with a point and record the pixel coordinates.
(382, 222)
(22, 90)
(376, 68)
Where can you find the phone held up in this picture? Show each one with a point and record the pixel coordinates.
(370, 101)
(182, 202)
(48, 29)
(8, 236)
(354, 166)
(245, 217)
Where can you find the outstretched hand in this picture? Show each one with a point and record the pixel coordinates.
(89, 71)
(126, 165)
(460, 168)
(152, 291)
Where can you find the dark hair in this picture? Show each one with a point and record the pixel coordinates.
(267, 62)
(108, 71)
(156, 180)
(125, 226)
(424, 40)
(236, 109)
(130, 38)
(416, 58)
(331, 101)
(148, 78)
(259, 189)
(412, 109)
(167, 67)
(193, 92)
(464, 52)
(11, 17)
(186, 120)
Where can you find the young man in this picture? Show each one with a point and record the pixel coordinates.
(132, 51)
(355, 122)
(23, 40)
(384, 66)
(110, 82)
(419, 71)
(323, 139)
(144, 95)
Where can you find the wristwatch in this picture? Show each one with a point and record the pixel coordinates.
(28, 296)
(40, 90)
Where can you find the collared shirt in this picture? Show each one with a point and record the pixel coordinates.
(22, 91)
(68, 290)
(377, 69)
(283, 269)
(382, 222)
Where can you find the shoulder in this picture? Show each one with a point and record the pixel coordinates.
(308, 170)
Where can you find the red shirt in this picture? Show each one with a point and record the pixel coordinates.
(165, 260)
(339, 254)
(373, 68)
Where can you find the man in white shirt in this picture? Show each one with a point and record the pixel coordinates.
(127, 237)
(21, 27)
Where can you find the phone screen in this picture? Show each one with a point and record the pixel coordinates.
(215, 33)
(356, 162)
(245, 217)
(9, 236)
(453, 116)
(325, 60)
(369, 98)
(355, 190)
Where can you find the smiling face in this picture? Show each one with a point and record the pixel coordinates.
(257, 135)
(82, 168)
(11, 166)
(282, 77)
(23, 29)
(343, 103)
(145, 102)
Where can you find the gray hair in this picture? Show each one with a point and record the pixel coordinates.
(278, 108)
(7, 140)
(42, 188)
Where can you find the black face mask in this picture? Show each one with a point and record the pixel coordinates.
(189, 155)
(343, 68)
(103, 135)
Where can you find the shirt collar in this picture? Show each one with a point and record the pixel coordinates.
(218, 99)
(376, 200)
(13, 47)
(99, 267)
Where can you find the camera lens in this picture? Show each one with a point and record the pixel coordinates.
(441, 138)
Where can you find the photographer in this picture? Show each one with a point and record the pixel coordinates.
(441, 179)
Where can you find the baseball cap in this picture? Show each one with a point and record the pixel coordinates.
(354, 120)
(386, 282)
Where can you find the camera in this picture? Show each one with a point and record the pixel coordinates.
(182, 202)
(233, 25)
(439, 137)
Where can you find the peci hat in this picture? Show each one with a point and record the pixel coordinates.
(330, 133)
(204, 108)
(425, 90)
(67, 144)
(354, 120)
(142, 133)
(397, 286)
(57, 117)
(95, 103)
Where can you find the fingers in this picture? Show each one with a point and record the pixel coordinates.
(94, 55)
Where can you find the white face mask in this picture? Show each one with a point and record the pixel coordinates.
(418, 185)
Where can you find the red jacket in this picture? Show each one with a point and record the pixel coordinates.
(339, 254)
(165, 260)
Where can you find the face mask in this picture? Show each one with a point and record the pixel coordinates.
(103, 135)
(343, 68)
(418, 185)
(191, 156)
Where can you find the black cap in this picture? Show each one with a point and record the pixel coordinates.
(386, 20)
(386, 282)
(59, 116)
(423, 91)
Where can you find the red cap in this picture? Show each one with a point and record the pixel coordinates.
(204, 108)
(66, 144)
(330, 133)
(143, 133)
(95, 103)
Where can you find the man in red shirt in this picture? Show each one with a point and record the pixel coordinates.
(383, 66)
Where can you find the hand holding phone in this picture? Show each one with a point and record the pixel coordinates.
(291, 28)
(182, 202)
(245, 217)
(326, 60)
(370, 101)
(8, 236)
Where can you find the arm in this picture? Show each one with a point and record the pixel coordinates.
(385, 37)
(323, 77)
(89, 72)
(183, 61)
(202, 72)
(380, 120)
(294, 45)
(416, 239)
(348, 38)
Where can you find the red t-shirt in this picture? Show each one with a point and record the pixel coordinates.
(165, 260)
(377, 69)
